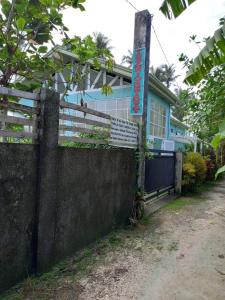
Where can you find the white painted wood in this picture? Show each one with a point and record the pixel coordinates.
(84, 130)
(104, 77)
(88, 79)
(77, 107)
(124, 133)
(20, 94)
(63, 79)
(16, 120)
(19, 107)
(15, 134)
(113, 80)
(83, 120)
(122, 144)
(96, 79)
(81, 140)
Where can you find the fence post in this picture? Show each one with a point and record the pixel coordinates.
(178, 172)
(47, 178)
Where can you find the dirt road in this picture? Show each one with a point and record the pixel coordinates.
(177, 254)
(180, 255)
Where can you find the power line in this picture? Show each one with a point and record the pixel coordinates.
(157, 38)
(160, 45)
(132, 5)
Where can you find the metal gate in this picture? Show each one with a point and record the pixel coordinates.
(160, 172)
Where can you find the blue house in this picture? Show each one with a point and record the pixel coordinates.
(180, 134)
(117, 104)
(162, 129)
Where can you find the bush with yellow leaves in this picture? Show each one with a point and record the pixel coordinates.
(194, 171)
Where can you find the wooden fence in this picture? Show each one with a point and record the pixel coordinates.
(77, 124)
(85, 125)
(14, 113)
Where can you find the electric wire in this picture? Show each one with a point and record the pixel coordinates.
(158, 40)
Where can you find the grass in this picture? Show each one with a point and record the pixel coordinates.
(43, 287)
(181, 202)
(190, 198)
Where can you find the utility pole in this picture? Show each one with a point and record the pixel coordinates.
(140, 82)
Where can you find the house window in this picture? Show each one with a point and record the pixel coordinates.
(113, 107)
(157, 120)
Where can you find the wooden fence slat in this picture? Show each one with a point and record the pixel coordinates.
(16, 120)
(122, 138)
(18, 93)
(84, 130)
(124, 122)
(84, 120)
(122, 144)
(15, 134)
(124, 133)
(84, 109)
(81, 140)
(19, 107)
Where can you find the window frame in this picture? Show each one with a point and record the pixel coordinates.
(158, 120)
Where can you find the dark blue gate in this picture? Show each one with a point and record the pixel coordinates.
(160, 171)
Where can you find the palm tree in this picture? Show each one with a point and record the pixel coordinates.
(127, 59)
(182, 106)
(165, 73)
(102, 41)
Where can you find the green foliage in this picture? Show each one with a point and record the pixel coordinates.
(165, 73)
(181, 108)
(26, 31)
(213, 54)
(194, 171)
(173, 8)
(102, 41)
(89, 145)
(189, 174)
(199, 163)
(220, 171)
(206, 110)
(211, 168)
(128, 59)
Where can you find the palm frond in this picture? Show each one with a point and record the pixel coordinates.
(173, 8)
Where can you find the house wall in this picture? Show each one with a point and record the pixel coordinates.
(121, 93)
(176, 130)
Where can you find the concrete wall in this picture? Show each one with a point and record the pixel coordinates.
(96, 189)
(17, 205)
(95, 192)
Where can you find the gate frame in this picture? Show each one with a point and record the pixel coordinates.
(176, 187)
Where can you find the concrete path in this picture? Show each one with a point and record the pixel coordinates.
(180, 255)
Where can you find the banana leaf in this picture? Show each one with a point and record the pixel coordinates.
(173, 8)
(212, 55)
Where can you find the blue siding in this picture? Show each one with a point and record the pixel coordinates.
(125, 92)
(120, 93)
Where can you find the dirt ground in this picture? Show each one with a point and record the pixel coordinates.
(177, 254)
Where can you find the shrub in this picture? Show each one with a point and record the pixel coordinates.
(199, 163)
(188, 180)
(210, 168)
(194, 171)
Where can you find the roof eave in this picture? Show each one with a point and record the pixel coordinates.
(154, 84)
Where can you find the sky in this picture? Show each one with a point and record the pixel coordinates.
(115, 19)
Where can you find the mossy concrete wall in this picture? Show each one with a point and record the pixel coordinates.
(18, 179)
(95, 192)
